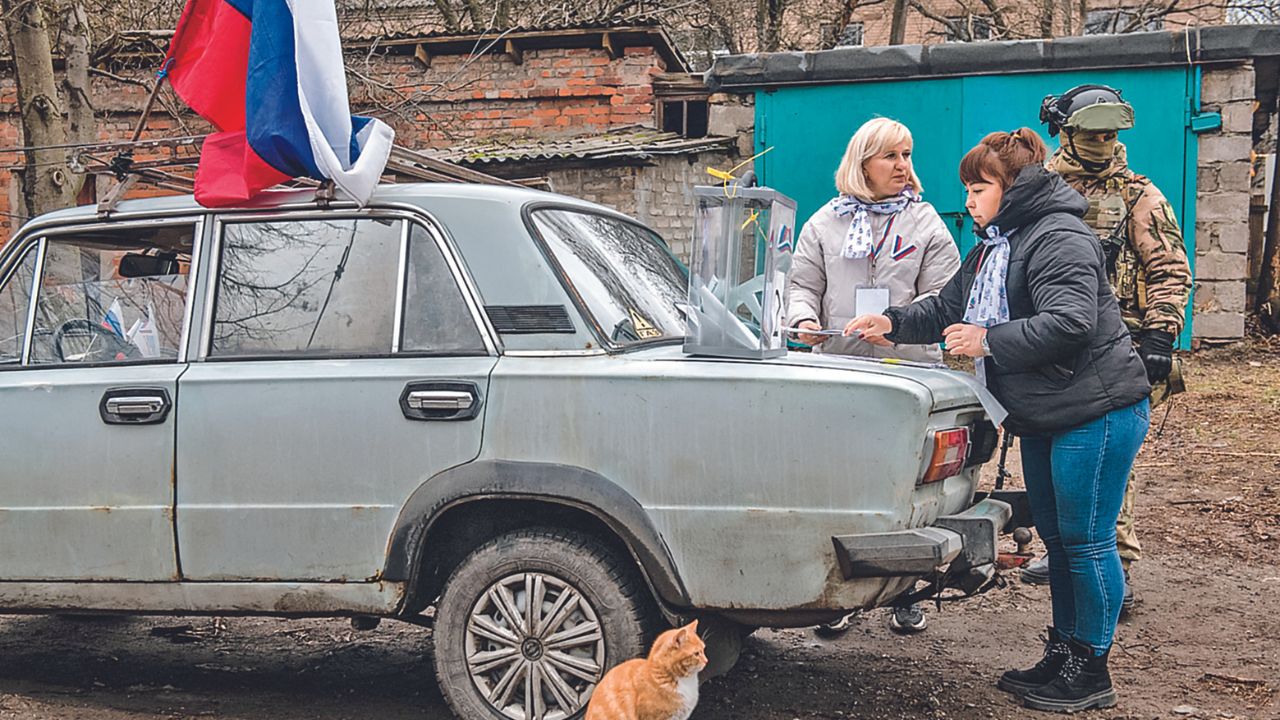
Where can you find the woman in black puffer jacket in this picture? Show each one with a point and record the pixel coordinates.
(1031, 302)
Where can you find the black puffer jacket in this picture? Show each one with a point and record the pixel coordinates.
(1065, 357)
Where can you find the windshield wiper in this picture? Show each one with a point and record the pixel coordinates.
(627, 328)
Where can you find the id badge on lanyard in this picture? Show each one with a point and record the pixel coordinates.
(871, 299)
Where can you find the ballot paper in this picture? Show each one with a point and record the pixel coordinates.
(809, 331)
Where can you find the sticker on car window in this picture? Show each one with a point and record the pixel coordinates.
(644, 329)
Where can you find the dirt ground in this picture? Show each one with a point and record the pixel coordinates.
(1203, 642)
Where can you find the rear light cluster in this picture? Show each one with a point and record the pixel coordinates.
(950, 451)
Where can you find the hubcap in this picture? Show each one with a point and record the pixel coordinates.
(534, 647)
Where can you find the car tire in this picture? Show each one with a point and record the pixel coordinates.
(724, 639)
(486, 668)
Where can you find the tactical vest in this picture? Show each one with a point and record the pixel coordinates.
(1110, 215)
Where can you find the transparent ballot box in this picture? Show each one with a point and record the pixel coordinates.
(742, 244)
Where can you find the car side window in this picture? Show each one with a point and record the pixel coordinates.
(436, 317)
(112, 296)
(15, 300)
(307, 288)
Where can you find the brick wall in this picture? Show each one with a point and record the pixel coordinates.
(552, 92)
(1222, 206)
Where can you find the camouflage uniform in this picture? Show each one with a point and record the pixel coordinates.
(1150, 275)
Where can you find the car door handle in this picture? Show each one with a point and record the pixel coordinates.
(440, 400)
(134, 406)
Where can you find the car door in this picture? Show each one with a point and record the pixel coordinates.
(92, 327)
(342, 365)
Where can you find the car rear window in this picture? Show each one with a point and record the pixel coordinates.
(307, 287)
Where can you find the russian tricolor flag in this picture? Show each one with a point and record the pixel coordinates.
(269, 75)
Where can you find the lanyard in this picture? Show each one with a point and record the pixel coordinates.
(875, 251)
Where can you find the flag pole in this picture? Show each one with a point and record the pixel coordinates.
(123, 160)
(151, 100)
(122, 164)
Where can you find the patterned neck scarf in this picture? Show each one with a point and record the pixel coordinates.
(857, 242)
(988, 300)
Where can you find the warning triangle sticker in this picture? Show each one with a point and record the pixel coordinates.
(644, 329)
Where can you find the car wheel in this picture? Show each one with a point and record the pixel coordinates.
(528, 623)
(724, 639)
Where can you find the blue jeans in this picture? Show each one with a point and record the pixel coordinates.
(1075, 482)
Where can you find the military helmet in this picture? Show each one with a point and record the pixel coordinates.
(1090, 108)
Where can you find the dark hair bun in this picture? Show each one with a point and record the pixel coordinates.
(1001, 155)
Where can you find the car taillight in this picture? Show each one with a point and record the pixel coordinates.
(950, 449)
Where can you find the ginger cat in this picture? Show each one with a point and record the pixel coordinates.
(662, 687)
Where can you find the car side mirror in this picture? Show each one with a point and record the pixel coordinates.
(137, 265)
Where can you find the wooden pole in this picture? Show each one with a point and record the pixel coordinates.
(1268, 293)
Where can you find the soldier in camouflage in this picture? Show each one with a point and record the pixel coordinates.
(1146, 261)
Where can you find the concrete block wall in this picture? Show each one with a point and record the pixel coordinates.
(659, 194)
(731, 115)
(1222, 206)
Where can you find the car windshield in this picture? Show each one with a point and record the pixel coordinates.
(623, 273)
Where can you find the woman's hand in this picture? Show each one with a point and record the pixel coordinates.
(964, 339)
(871, 328)
(806, 338)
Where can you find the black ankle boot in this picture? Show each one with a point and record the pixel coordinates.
(1020, 682)
(1082, 683)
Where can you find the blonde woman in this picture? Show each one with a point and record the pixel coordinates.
(875, 245)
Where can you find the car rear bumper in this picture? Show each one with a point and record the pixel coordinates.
(966, 539)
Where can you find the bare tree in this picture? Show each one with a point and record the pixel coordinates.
(75, 82)
(47, 182)
(1253, 11)
(769, 24)
(1046, 18)
(898, 23)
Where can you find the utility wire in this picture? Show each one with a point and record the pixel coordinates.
(72, 146)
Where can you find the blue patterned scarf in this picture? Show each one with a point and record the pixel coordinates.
(988, 300)
(857, 242)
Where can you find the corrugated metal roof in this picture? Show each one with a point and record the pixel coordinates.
(626, 143)
(388, 32)
(437, 32)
